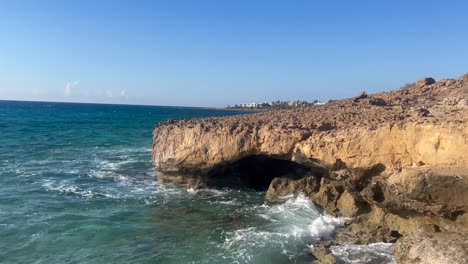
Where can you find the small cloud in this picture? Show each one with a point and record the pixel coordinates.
(109, 93)
(124, 94)
(69, 86)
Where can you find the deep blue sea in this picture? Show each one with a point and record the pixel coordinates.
(77, 186)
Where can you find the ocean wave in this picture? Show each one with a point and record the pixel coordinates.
(125, 187)
(289, 227)
(121, 169)
(66, 188)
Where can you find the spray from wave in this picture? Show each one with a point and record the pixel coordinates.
(288, 228)
(378, 253)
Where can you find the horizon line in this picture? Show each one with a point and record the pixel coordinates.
(68, 102)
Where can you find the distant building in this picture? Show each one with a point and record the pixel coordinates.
(249, 105)
(279, 104)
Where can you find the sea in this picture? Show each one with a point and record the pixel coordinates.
(77, 186)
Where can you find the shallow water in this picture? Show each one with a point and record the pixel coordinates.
(77, 186)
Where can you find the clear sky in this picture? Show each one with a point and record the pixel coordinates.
(215, 53)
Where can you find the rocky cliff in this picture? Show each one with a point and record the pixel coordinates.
(396, 163)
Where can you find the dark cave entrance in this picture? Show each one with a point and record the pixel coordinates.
(257, 171)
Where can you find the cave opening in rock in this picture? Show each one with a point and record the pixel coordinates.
(257, 171)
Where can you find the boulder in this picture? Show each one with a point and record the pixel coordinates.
(362, 95)
(378, 102)
(424, 82)
(282, 186)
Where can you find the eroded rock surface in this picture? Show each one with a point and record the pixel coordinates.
(396, 162)
(432, 248)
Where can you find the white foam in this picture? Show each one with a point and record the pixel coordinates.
(324, 226)
(192, 191)
(65, 188)
(207, 191)
(231, 202)
(90, 191)
(372, 253)
(294, 224)
(143, 150)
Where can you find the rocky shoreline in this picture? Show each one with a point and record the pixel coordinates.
(394, 163)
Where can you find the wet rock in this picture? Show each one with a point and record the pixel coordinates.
(322, 253)
(281, 187)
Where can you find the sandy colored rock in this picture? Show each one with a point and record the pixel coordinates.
(358, 133)
(436, 190)
(348, 205)
(397, 162)
(435, 248)
(281, 187)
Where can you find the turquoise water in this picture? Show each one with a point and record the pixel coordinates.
(77, 186)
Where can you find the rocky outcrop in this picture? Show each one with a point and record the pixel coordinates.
(425, 81)
(396, 162)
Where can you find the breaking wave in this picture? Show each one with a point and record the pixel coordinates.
(288, 228)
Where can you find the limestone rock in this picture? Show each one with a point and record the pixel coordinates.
(437, 190)
(328, 195)
(433, 248)
(462, 104)
(348, 205)
(281, 187)
(446, 82)
(398, 168)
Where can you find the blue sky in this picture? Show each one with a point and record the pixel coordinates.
(215, 53)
